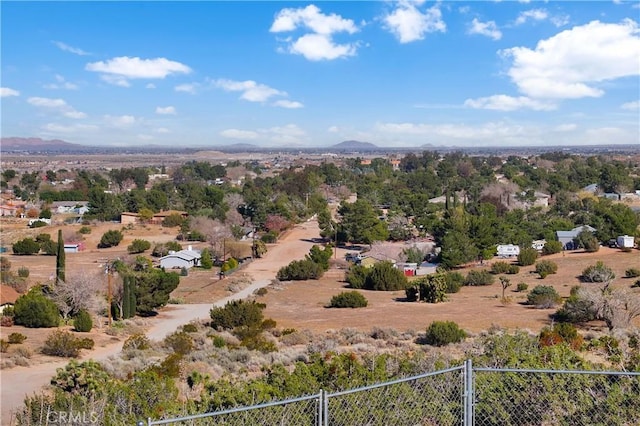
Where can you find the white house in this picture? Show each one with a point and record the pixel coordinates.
(181, 259)
(508, 250)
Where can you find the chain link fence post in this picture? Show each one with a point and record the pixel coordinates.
(468, 393)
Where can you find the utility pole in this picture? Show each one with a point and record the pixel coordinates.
(108, 269)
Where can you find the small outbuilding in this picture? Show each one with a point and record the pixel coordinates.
(626, 241)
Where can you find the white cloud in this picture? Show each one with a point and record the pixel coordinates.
(560, 20)
(631, 106)
(187, 88)
(169, 110)
(74, 128)
(533, 14)
(63, 46)
(58, 105)
(239, 134)
(47, 102)
(150, 86)
(288, 134)
(61, 83)
(120, 121)
(312, 18)
(487, 131)
(333, 129)
(407, 23)
(571, 63)
(318, 47)
(6, 92)
(251, 91)
(508, 103)
(118, 70)
(488, 29)
(284, 103)
(318, 44)
(162, 130)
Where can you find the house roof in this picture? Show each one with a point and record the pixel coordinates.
(187, 255)
(8, 295)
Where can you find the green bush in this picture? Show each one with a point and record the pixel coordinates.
(16, 338)
(4, 346)
(477, 278)
(431, 289)
(64, 344)
(513, 269)
(545, 268)
(23, 272)
(356, 276)
(35, 310)
(543, 297)
(632, 272)
(38, 224)
(454, 281)
(522, 287)
(300, 270)
(576, 309)
(441, 333)
(84, 230)
(348, 299)
(598, 273)
(26, 246)
(269, 237)
(261, 291)
(173, 220)
(110, 238)
(137, 341)
(551, 247)
(138, 246)
(238, 313)
(500, 267)
(179, 342)
(383, 276)
(83, 322)
(218, 342)
(206, 261)
(527, 256)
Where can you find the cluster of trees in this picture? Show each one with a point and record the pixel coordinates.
(312, 267)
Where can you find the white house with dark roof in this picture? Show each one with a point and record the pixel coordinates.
(181, 259)
(567, 237)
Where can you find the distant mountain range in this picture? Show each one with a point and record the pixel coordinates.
(354, 146)
(37, 144)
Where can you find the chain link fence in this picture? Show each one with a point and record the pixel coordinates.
(461, 395)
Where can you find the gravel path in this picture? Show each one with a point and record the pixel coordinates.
(18, 382)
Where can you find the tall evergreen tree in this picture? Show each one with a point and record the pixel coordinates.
(60, 259)
(132, 299)
(126, 288)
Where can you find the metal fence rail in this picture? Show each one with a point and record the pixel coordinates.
(461, 395)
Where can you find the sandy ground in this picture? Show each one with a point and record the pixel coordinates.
(18, 382)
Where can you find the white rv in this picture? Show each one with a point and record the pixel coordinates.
(626, 241)
(508, 250)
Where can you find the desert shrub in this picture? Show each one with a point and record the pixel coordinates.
(598, 273)
(137, 341)
(545, 268)
(513, 269)
(23, 272)
(4, 346)
(218, 341)
(300, 270)
(26, 246)
(632, 272)
(83, 322)
(65, 344)
(84, 230)
(238, 313)
(6, 321)
(527, 256)
(110, 238)
(476, 278)
(453, 280)
(179, 342)
(431, 289)
(500, 267)
(269, 237)
(173, 220)
(636, 284)
(320, 256)
(261, 291)
(356, 276)
(348, 299)
(38, 224)
(587, 241)
(543, 297)
(383, 276)
(138, 246)
(196, 236)
(49, 247)
(560, 333)
(441, 333)
(190, 328)
(16, 338)
(576, 309)
(35, 310)
(551, 247)
(522, 287)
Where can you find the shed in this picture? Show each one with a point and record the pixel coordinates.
(409, 269)
(181, 259)
(73, 248)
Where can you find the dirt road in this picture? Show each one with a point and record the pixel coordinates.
(18, 382)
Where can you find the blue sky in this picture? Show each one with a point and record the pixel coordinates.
(301, 74)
